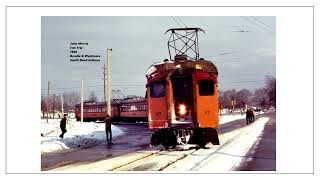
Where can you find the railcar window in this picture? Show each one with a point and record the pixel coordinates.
(206, 87)
(157, 89)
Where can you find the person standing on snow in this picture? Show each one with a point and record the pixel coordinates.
(107, 121)
(63, 124)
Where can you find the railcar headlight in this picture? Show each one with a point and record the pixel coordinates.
(182, 109)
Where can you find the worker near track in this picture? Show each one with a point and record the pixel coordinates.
(63, 124)
(107, 121)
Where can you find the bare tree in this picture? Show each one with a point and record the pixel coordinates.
(43, 105)
(271, 90)
(226, 97)
(260, 97)
(92, 96)
(243, 97)
(55, 103)
(70, 100)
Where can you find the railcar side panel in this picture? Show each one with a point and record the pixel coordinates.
(207, 103)
(157, 111)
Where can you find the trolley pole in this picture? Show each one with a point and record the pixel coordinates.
(108, 77)
(81, 101)
(48, 102)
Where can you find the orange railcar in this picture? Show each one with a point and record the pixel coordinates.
(183, 100)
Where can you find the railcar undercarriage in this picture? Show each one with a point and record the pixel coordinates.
(171, 137)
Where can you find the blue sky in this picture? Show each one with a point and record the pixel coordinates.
(243, 48)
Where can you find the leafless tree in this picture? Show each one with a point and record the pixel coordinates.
(271, 89)
(226, 97)
(92, 96)
(55, 103)
(243, 97)
(260, 97)
(70, 100)
(43, 105)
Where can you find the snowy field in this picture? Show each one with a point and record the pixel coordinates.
(79, 135)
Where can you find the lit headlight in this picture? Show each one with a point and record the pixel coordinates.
(182, 109)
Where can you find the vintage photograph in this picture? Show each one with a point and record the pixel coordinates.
(158, 93)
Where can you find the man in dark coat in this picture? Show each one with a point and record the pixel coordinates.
(63, 124)
(107, 120)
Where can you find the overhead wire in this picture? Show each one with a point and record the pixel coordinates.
(253, 22)
(261, 22)
(181, 21)
(175, 20)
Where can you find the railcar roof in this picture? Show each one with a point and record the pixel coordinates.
(168, 66)
(134, 100)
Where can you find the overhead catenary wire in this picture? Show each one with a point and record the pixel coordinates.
(255, 18)
(178, 23)
(253, 22)
(181, 21)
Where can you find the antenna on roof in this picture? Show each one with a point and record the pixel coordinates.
(183, 42)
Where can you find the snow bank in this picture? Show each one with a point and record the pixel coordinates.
(230, 117)
(79, 135)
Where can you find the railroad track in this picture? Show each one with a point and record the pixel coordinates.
(164, 160)
(183, 158)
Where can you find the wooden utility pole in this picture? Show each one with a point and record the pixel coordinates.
(104, 84)
(48, 102)
(108, 77)
(81, 101)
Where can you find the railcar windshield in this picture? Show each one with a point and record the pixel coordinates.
(157, 89)
(206, 87)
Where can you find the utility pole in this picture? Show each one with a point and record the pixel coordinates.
(108, 77)
(81, 101)
(48, 102)
(104, 83)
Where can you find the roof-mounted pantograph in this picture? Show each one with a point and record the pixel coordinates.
(184, 41)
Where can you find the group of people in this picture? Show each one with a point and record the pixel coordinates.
(250, 114)
(107, 121)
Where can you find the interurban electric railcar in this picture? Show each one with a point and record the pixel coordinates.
(183, 94)
(127, 110)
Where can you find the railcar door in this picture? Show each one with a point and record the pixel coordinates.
(182, 99)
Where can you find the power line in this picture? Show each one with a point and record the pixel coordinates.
(175, 20)
(261, 22)
(181, 21)
(119, 85)
(252, 22)
(237, 82)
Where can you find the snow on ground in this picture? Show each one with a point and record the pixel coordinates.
(78, 135)
(230, 156)
(233, 148)
(230, 117)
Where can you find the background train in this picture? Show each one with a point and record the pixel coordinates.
(127, 110)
